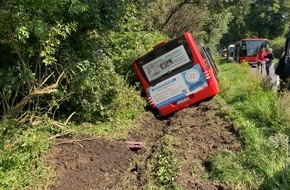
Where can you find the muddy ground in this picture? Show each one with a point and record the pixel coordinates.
(191, 136)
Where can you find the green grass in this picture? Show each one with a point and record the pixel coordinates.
(167, 167)
(262, 119)
(21, 165)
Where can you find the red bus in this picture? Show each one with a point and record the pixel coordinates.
(177, 74)
(246, 50)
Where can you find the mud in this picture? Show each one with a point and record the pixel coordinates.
(86, 162)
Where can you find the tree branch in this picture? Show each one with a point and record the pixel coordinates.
(177, 8)
(38, 92)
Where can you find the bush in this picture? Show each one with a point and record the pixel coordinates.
(97, 89)
(104, 85)
(278, 45)
(126, 46)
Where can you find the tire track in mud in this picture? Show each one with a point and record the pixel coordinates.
(196, 133)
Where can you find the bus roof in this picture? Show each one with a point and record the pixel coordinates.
(245, 39)
(251, 39)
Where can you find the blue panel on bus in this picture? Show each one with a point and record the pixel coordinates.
(178, 86)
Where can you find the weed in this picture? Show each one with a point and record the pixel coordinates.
(167, 167)
(20, 164)
(263, 122)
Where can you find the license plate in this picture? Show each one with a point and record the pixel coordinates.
(182, 100)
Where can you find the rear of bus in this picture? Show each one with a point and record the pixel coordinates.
(177, 74)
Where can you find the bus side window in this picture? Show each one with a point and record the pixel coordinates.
(206, 55)
(202, 52)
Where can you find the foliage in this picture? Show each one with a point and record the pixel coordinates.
(41, 41)
(237, 24)
(263, 18)
(32, 36)
(166, 169)
(186, 22)
(92, 99)
(20, 164)
(109, 65)
(130, 41)
(215, 27)
(197, 17)
(83, 50)
(268, 18)
(259, 115)
(278, 46)
(83, 42)
(124, 47)
(105, 99)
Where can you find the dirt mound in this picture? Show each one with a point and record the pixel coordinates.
(98, 163)
(88, 163)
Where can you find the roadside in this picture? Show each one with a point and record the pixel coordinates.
(187, 138)
(274, 79)
(196, 148)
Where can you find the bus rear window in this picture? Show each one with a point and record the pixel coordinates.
(166, 63)
(166, 60)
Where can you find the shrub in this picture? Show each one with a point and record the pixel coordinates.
(278, 45)
(99, 93)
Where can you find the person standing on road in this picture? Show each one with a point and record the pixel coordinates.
(269, 58)
(261, 58)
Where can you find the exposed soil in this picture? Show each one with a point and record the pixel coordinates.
(97, 163)
(91, 164)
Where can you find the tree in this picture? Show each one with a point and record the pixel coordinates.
(44, 45)
(236, 27)
(268, 18)
(33, 34)
(207, 20)
(260, 18)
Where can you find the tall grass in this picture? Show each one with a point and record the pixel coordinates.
(262, 119)
(21, 165)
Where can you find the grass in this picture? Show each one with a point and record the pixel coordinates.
(262, 119)
(21, 165)
(167, 167)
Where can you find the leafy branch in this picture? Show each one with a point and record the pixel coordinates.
(38, 92)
